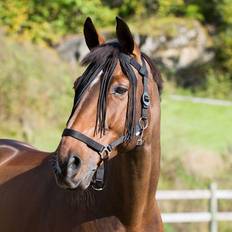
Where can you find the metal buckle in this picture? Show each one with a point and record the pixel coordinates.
(140, 139)
(104, 154)
(143, 123)
(145, 100)
(94, 184)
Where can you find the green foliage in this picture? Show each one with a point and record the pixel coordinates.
(47, 20)
(166, 26)
(35, 90)
(224, 40)
(219, 85)
(126, 8)
(179, 8)
(131, 7)
(217, 13)
(167, 7)
(207, 10)
(225, 9)
(193, 11)
(225, 52)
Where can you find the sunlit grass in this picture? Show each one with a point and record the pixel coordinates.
(195, 125)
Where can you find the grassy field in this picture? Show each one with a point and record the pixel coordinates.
(201, 131)
(196, 143)
(35, 92)
(196, 124)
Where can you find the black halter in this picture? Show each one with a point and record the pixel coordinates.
(103, 151)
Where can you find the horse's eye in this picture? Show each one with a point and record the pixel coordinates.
(119, 90)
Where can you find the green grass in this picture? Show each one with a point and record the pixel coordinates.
(35, 93)
(187, 124)
(47, 139)
(194, 128)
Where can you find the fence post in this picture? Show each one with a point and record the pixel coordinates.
(213, 208)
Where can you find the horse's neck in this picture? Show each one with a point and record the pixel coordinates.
(129, 194)
(133, 184)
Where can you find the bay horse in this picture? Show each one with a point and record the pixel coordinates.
(103, 175)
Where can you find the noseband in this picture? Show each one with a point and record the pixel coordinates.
(104, 151)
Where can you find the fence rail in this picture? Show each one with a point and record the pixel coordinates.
(212, 216)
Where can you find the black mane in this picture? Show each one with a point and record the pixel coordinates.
(104, 58)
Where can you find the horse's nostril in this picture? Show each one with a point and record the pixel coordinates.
(74, 162)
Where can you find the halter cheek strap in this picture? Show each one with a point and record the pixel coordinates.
(103, 151)
(145, 98)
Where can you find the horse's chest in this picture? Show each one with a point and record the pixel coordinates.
(108, 224)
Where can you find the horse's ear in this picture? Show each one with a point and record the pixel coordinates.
(125, 38)
(92, 38)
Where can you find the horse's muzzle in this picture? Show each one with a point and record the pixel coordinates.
(68, 176)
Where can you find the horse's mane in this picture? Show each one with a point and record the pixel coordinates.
(104, 58)
(155, 72)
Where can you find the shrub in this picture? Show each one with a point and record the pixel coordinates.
(35, 89)
(47, 20)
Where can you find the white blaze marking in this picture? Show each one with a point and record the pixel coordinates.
(94, 82)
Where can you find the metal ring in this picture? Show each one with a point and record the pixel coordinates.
(97, 188)
(104, 154)
(143, 123)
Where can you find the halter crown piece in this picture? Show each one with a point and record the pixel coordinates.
(98, 181)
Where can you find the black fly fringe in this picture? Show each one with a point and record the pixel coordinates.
(105, 81)
(82, 84)
(104, 58)
(130, 124)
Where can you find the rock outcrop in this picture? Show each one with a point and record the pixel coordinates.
(190, 46)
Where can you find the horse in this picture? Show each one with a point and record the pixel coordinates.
(104, 173)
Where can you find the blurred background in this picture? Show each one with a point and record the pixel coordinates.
(41, 45)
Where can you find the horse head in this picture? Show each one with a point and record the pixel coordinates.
(115, 108)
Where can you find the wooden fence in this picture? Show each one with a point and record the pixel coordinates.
(212, 216)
